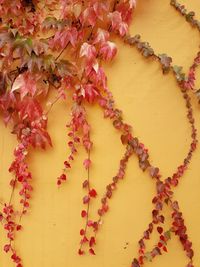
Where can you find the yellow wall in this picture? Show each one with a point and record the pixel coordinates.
(152, 103)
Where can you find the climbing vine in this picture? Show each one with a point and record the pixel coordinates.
(60, 46)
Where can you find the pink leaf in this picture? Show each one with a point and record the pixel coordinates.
(63, 37)
(88, 51)
(123, 28)
(26, 84)
(87, 163)
(86, 199)
(85, 184)
(88, 17)
(108, 50)
(132, 3)
(102, 36)
(90, 223)
(115, 18)
(89, 92)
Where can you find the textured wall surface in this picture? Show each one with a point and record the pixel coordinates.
(153, 105)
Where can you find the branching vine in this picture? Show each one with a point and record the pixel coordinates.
(59, 46)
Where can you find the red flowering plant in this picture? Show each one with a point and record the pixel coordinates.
(60, 45)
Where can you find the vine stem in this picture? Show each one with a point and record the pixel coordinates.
(61, 52)
(23, 209)
(52, 104)
(128, 153)
(12, 192)
(88, 204)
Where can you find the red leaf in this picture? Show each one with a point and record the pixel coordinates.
(59, 182)
(83, 213)
(100, 212)
(105, 207)
(92, 241)
(19, 227)
(63, 177)
(7, 248)
(84, 240)
(26, 204)
(92, 251)
(12, 183)
(165, 249)
(160, 230)
(30, 108)
(20, 178)
(82, 232)
(162, 238)
(124, 139)
(80, 252)
(93, 193)
(135, 263)
(67, 165)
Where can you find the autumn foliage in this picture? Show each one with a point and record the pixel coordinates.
(60, 46)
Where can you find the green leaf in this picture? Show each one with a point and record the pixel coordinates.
(65, 67)
(166, 61)
(180, 76)
(49, 62)
(198, 94)
(148, 256)
(28, 44)
(49, 23)
(167, 235)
